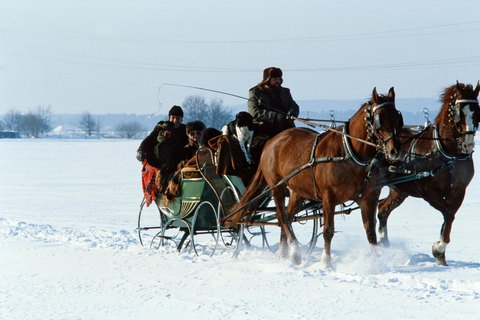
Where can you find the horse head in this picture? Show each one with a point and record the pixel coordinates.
(384, 123)
(462, 113)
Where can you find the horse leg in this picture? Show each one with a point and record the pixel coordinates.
(449, 209)
(287, 237)
(328, 230)
(439, 247)
(283, 247)
(294, 204)
(385, 207)
(279, 199)
(367, 205)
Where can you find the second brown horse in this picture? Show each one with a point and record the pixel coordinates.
(444, 150)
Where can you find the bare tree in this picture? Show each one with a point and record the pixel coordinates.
(12, 120)
(36, 123)
(88, 124)
(31, 125)
(45, 117)
(195, 108)
(129, 130)
(212, 114)
(219, 115)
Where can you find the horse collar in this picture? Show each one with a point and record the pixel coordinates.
(348, 148)
(439, 148)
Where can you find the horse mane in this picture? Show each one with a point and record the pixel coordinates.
(445, 100)
(446, 96)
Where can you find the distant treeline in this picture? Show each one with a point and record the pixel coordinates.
(412, 110)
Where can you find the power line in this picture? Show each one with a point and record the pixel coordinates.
(406, 32)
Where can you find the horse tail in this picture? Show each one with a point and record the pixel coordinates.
(255, 188)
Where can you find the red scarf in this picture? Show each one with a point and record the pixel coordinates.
(148, 182)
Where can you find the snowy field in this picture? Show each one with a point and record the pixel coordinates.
(69, 250)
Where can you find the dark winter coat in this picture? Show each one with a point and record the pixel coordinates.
(190, 150)
(181, 134)
(272, 107)
(148, 144)
(168, 151)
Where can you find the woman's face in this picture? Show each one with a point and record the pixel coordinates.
(194, 135)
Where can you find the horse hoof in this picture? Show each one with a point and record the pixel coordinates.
(441, 259)
(442, 262)
(282, 256)
(327, 260)
(384, 243)
(440, 256)
(296, 259)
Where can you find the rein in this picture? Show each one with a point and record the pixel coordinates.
(334, 130)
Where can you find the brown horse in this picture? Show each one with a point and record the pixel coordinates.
(343, 169)
(444, 151)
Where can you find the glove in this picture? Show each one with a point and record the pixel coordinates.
(140, 155)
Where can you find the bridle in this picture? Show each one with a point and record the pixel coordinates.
(374, 123)
(455, 114)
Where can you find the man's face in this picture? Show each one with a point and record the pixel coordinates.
(275, 83)
(177, 120)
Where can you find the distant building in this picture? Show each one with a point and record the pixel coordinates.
(9, 134)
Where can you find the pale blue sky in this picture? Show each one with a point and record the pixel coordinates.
(111, 56)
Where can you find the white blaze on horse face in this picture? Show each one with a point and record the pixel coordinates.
(469, 139)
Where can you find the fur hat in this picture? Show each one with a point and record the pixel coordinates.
(272, 72)
(176, 111)
(165, 125)
(194, 126)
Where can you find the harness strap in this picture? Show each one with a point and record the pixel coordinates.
(311, 163)
(312, 155)
(371, 167)
(414, 159)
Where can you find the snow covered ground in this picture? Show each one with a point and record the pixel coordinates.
(69, 250)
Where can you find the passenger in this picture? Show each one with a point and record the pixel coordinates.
(271, 104)
(193, 130)
(168, 153)
(145, 150)
(175, 115)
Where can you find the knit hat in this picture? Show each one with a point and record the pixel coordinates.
(176, 111)
(194, 126)
(272, 72)
(166, 125)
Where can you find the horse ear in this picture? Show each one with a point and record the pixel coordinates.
(477, 89)
(375, 97)
(458, 86)
(391, 93)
